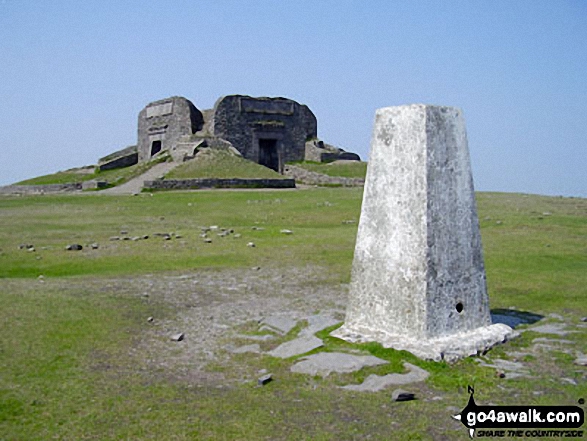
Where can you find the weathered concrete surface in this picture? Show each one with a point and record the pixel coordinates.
(418, 278)
(295, 347)
(279, 323)
(374, 383)
(325, 363)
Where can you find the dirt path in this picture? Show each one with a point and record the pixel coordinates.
(135, 185)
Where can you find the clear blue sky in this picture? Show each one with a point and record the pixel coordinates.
(75, 74)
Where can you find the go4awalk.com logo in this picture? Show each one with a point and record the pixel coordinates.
(522, 421)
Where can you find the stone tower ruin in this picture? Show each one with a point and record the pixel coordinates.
(162, 123)
(269, 131)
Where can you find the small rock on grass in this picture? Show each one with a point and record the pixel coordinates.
(150, 319)
(581, 360)
(251, 245)
(94, 246)
(74, 247)
(262, 381)
(177, 337)
(286, 231)
(402, 395)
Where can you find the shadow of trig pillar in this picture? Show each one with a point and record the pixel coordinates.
(418, 278)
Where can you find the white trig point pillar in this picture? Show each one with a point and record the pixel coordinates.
(418, 278)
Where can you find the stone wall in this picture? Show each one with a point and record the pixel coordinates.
(312, 178)
(319, 151)
(187, 184)
(269, 131)
(40, 189)
(163, 122)
(120, 161)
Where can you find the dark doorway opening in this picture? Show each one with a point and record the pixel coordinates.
(268, 153)
(155, 147)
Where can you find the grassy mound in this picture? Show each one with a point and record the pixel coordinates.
(114, 177)
(349, 169)
(221, 164)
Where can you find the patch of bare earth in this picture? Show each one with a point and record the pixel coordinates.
(207, 307)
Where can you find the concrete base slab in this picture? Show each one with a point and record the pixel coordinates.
(295, 347)
(374, 383)
(279, 323)
(551, 328)
(450, 348)
(317, 323)
(325, 363)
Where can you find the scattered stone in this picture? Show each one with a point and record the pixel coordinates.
(114, 238)
(295, 347)
(569, 381)
(38, 258)
(145, 237)
(126, 238)
(251, 245)
(257, 228)
(237, 236)
(325, 363)
(350, 221)
(499, 222)
(24, 246)
(286, 232)
(556, 316)
(207, 240)
(402, 395)
(213, 227)
(262, 381)
(256, 268)
(177, 337)
(374, 383)
(178, 236)
(265, 337)
(167, 237)
(581, 360)
(94, 246)
(123, 232)
(135, 238)
(74, 247)
(279, 323)
(254, 348)
(31, 249)
(584, 319)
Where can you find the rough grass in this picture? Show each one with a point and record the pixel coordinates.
(68, 363)
(344, 169)
(221, 164)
